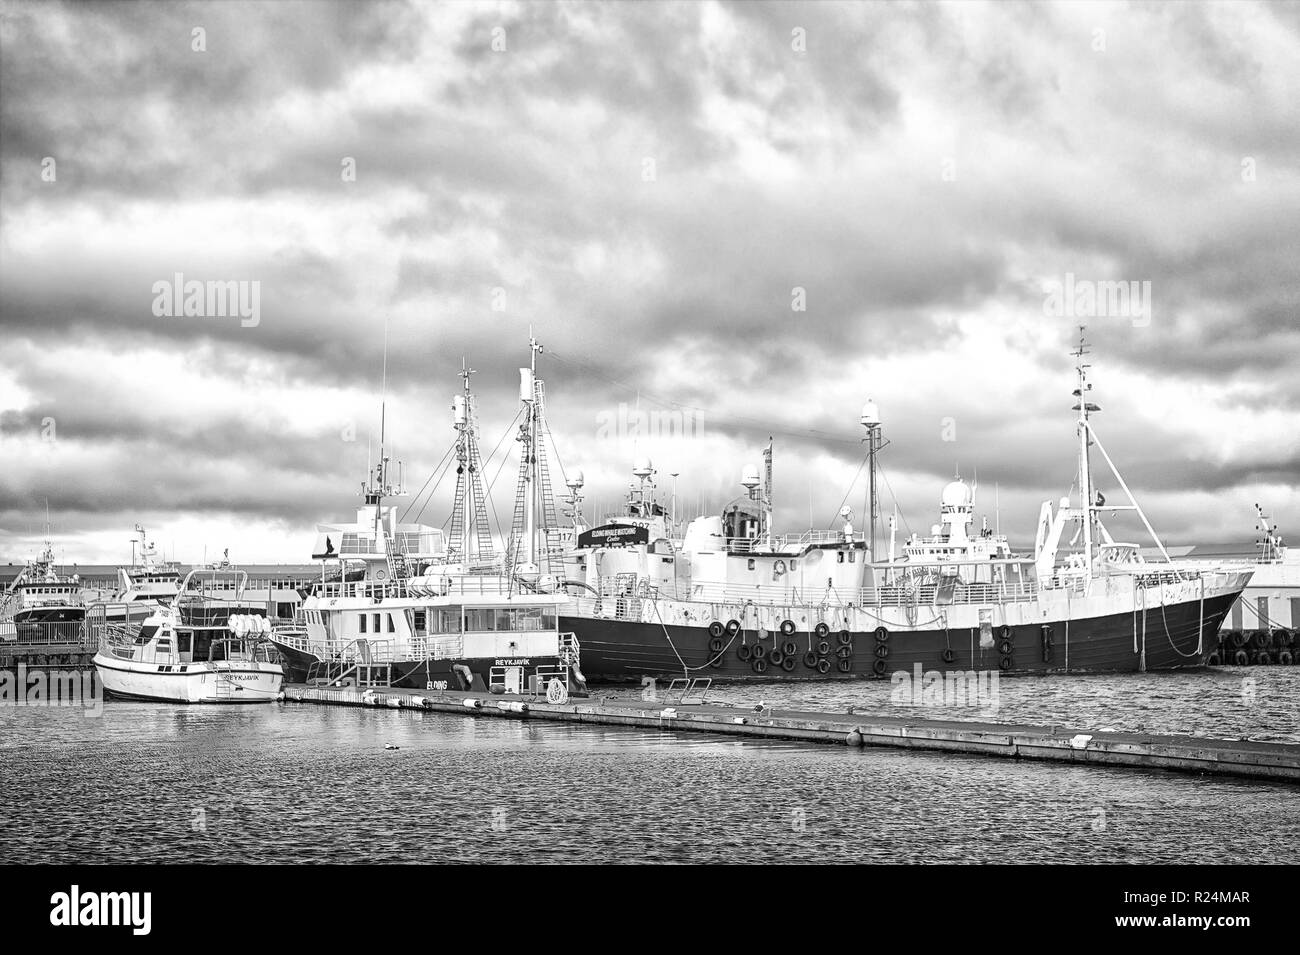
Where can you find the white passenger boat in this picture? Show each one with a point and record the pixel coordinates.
(195, 650)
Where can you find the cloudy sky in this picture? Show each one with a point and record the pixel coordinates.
(749, 218)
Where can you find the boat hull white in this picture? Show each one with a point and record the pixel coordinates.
(234, 682)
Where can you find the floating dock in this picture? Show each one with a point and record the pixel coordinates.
(1243, 758)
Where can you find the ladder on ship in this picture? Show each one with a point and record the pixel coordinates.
(398, 566)
(224, 688)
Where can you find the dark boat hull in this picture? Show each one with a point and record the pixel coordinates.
(1180, 637)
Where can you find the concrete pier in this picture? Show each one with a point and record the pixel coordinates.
(1257, 760)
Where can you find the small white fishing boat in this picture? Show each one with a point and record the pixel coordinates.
(194, 650)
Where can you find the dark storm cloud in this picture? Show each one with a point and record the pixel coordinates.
(521, 171)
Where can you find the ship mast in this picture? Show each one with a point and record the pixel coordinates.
(535, 526)
(1084, 407)
(470, 536)
(378, 484)
(767, 495)
(870, 420)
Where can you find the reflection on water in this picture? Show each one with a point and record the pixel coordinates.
(288, 782)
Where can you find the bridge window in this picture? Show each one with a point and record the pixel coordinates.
(363, 623)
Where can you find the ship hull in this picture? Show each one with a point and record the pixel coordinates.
(191, 683)
(1173, 637)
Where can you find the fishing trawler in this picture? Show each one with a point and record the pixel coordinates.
(736, 601)
(148, 583)
(42, 605)
(429, 611)
(195, 649)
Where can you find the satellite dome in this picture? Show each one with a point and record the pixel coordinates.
(957, 494)
(870, 414)
(749, 476)
(642, 467)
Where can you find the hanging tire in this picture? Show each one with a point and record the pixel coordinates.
(788, 664)
(716, 629)
(716, 645)
(1004, 663)
(1260, 639)
(879, 667)
(1262, 658)
(1004, 632)
(845, 638)
(759, 665)
(821, 629)
(810, 660)
(823, 666)
(745, 652)
(1285, 658)
(787, 627)
(1281, 639)
(949, 655)
(775, 657)
(733, 627)
(882, 635)
(1213, 660)
(1240, 658)
(789, 648)
(823, 647)
(758, 650)
(1239, 639)
(1005, 647)
(844, 653)
(845, 666)
(882, 650)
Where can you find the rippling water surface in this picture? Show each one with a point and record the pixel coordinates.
(289, 782)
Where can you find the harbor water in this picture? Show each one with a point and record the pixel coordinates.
(288, 783)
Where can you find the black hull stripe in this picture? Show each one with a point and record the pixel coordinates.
(178, 673)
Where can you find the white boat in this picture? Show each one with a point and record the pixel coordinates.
(194, 650)
(405, 605)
